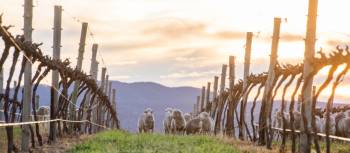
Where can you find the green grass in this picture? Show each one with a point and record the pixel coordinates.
(123, 142)
(3, 137)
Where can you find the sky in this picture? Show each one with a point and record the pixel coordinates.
(182, 42)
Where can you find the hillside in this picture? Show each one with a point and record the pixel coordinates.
(133, 98)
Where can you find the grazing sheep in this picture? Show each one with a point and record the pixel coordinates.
(342, 124)
(187, 117)
(343, 127)
(319, 124)
(207, 123)
(193, 126)
(177, 122)
(167, 120)
(279, 120)
(146, 121)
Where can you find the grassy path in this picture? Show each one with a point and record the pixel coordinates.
(122, 142)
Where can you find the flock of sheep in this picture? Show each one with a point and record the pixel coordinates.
(177, 122)
(339, 122)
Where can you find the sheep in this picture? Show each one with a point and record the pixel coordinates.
(177, 122)
(167, 120)
(146, 121)
(193, 126)
(342, 124)
(187, 117)
(343, 127)
(207, 123)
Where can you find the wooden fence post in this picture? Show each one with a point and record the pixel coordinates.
(229, 127)
(37, 102)
(27, 95)
(202, 99)
(114, 102)
(215, 93)
(100, 106)
(78, 67)
(220, 104)
(198, 105)
(56, 53)
(305, 142)
(264, 120)
(93, 74)
(1, 92)
(206, 107)
(248, 48)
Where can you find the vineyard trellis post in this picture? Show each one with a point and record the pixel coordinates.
(114, 102)
(57, 28)
(1, 92)
(264, 118)
(305, 142)
(81, 51)
(198, 108)
(202, 99)
(220, 102)
(207, 98)
(229, 126)
(100, 107)
(214, 99)
(104, 109)
(248, 47)
(37, 102)
(27, 94)
(232, 71)
(93, 75)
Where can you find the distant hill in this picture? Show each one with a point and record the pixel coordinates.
(133, 98)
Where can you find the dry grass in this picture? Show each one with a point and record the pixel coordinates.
(245, 146)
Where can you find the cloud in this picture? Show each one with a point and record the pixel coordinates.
(124, 63)
(289, 37)
(175, 28)
(229, 35)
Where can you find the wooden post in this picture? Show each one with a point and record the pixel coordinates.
(207, 101)
(194, 111)
(215, 93)
(78, 67)
(305, 144)
(229, 127)
(100, 106)
(27, 94)
(106, 84)
(198, 104)
(220, 104)
(56, 53)
(223, 78)
(110, 91)
(299, 102)
(247, 55)
(37, 100)
(104, 117)
(264, 120)
(232, 71)
(93, 74)
(202, 99)
(1, 92)
(114, 102)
